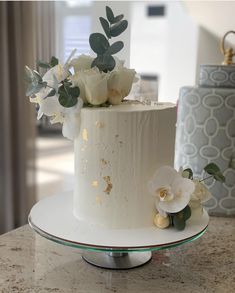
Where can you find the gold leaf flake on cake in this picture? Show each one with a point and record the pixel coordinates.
(95, 183)
(103, 162)
(85, 134)
(109, 184)
(99, 124)
(98, 199)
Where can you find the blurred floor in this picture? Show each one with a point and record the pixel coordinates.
(55, 165)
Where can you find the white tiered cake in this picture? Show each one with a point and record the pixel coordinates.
(116, 153)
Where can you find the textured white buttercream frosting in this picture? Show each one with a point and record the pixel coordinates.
(116, 153)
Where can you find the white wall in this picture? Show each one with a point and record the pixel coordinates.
(166, 46)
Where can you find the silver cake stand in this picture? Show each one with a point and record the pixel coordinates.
(53, 219)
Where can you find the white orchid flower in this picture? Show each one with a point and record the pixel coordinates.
(171, 190)
(58, 72)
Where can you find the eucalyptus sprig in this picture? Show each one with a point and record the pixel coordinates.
(113, 26)
(67, 94)
(212, 169)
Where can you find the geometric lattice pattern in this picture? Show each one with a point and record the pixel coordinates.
(217, 76)
(206, 133)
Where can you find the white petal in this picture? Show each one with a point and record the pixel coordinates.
(71, 126)
(83, 62)
(57, 71)
(50, 106)
(164, 176)
(175, 205)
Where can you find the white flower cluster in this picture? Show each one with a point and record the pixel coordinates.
(96, 88)
(173, 193)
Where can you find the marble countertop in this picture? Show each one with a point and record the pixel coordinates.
(30, 263)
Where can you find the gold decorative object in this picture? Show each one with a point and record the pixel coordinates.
(228, 52)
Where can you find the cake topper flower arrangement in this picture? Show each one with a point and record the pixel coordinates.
(178, 194)
(96, 81)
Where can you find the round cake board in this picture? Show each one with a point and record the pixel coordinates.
(53, 219)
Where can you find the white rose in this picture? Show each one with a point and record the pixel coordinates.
(95, 84)
(119, 84)
(201, 193)
(78, 80)
(83, 62)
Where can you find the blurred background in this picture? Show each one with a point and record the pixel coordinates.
(165, 42)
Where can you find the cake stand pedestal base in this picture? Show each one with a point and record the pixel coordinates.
(117, 260)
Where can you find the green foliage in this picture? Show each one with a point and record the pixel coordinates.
(34, 82)
(104, 62)
(187, 173)
(179, 219)
(113, 26)
(68, 95)
(99, 44)
(115, 47)
(118, 28)
(213, 170)
(53, 62)
(105, 26)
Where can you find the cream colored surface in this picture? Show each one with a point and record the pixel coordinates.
(32, 264)
(113, 163)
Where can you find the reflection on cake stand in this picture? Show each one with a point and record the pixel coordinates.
(53, 219)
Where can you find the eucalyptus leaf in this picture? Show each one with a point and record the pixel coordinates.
(43, 64)
(104, 63)
(74, 91)
(98, 42)
(37, 76)
(187, 173)
(118, 28)
(179, 221)
(115, 48)
(33, 89)
(186, 212)
(118, 18)
(54, 61)
(29, 76)
(219, 177)
(105, 26)
(109, 14)
(214, 170)
(51, 93)
(66, 100)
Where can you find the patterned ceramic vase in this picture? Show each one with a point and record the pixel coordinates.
(206, 132)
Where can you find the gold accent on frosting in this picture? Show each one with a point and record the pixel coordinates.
(95, 183)
(109, 184)
(104, 162)
(98, 199)
(85, 134)
(99, 124)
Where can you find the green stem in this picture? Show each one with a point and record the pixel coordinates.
(206, 178)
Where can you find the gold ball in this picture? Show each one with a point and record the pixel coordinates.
(161, 222)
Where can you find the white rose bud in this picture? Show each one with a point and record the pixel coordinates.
(83, 62)
(201, 192)
(95, 84)
(161, 222)
(119, 84)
